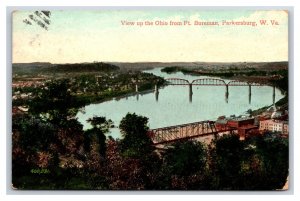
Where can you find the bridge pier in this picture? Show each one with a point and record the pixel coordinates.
(226, 93)
(190, 92)
(249, 98)
(156, 92)
(273, 94)
(226, 97)
(137, 92)
(136, 88)
(249, 94)
(227, 90)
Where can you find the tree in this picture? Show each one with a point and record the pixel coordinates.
(184, 166)
(55, 102)
(137, 149)
(258, 163)
(226, 155)
(273, 152)
(33, 140)
(135, 139)
(101, 126)
(124, 173)
(48, 137)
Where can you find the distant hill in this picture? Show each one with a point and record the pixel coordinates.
(204, 65)
(48, 68)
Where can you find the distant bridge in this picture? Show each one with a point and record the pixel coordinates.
(209, 82)
(214, 82)
(185, 131)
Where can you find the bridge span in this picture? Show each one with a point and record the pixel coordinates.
(215, 82)
(186, 131)
(209, 82)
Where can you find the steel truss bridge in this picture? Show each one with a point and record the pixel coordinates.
(209, 82)
(214, 82)
(185, 131)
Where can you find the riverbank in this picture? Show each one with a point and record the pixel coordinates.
(94, 99)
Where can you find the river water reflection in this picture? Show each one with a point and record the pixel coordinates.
(173, 105)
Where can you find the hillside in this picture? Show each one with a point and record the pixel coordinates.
(268, 66)
(48, 68)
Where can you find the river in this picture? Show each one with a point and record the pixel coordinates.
(173, 105)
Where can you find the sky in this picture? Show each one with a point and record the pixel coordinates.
(75, 36)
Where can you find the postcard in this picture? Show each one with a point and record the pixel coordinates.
(150, 99)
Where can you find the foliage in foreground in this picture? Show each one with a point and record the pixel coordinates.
(259, 163)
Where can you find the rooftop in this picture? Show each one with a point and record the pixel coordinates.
(224, 120)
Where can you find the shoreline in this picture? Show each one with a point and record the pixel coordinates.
(118, 97)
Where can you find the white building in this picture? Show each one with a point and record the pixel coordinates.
(274, 126)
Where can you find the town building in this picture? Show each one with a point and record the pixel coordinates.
(274, 126)
(243, 125)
